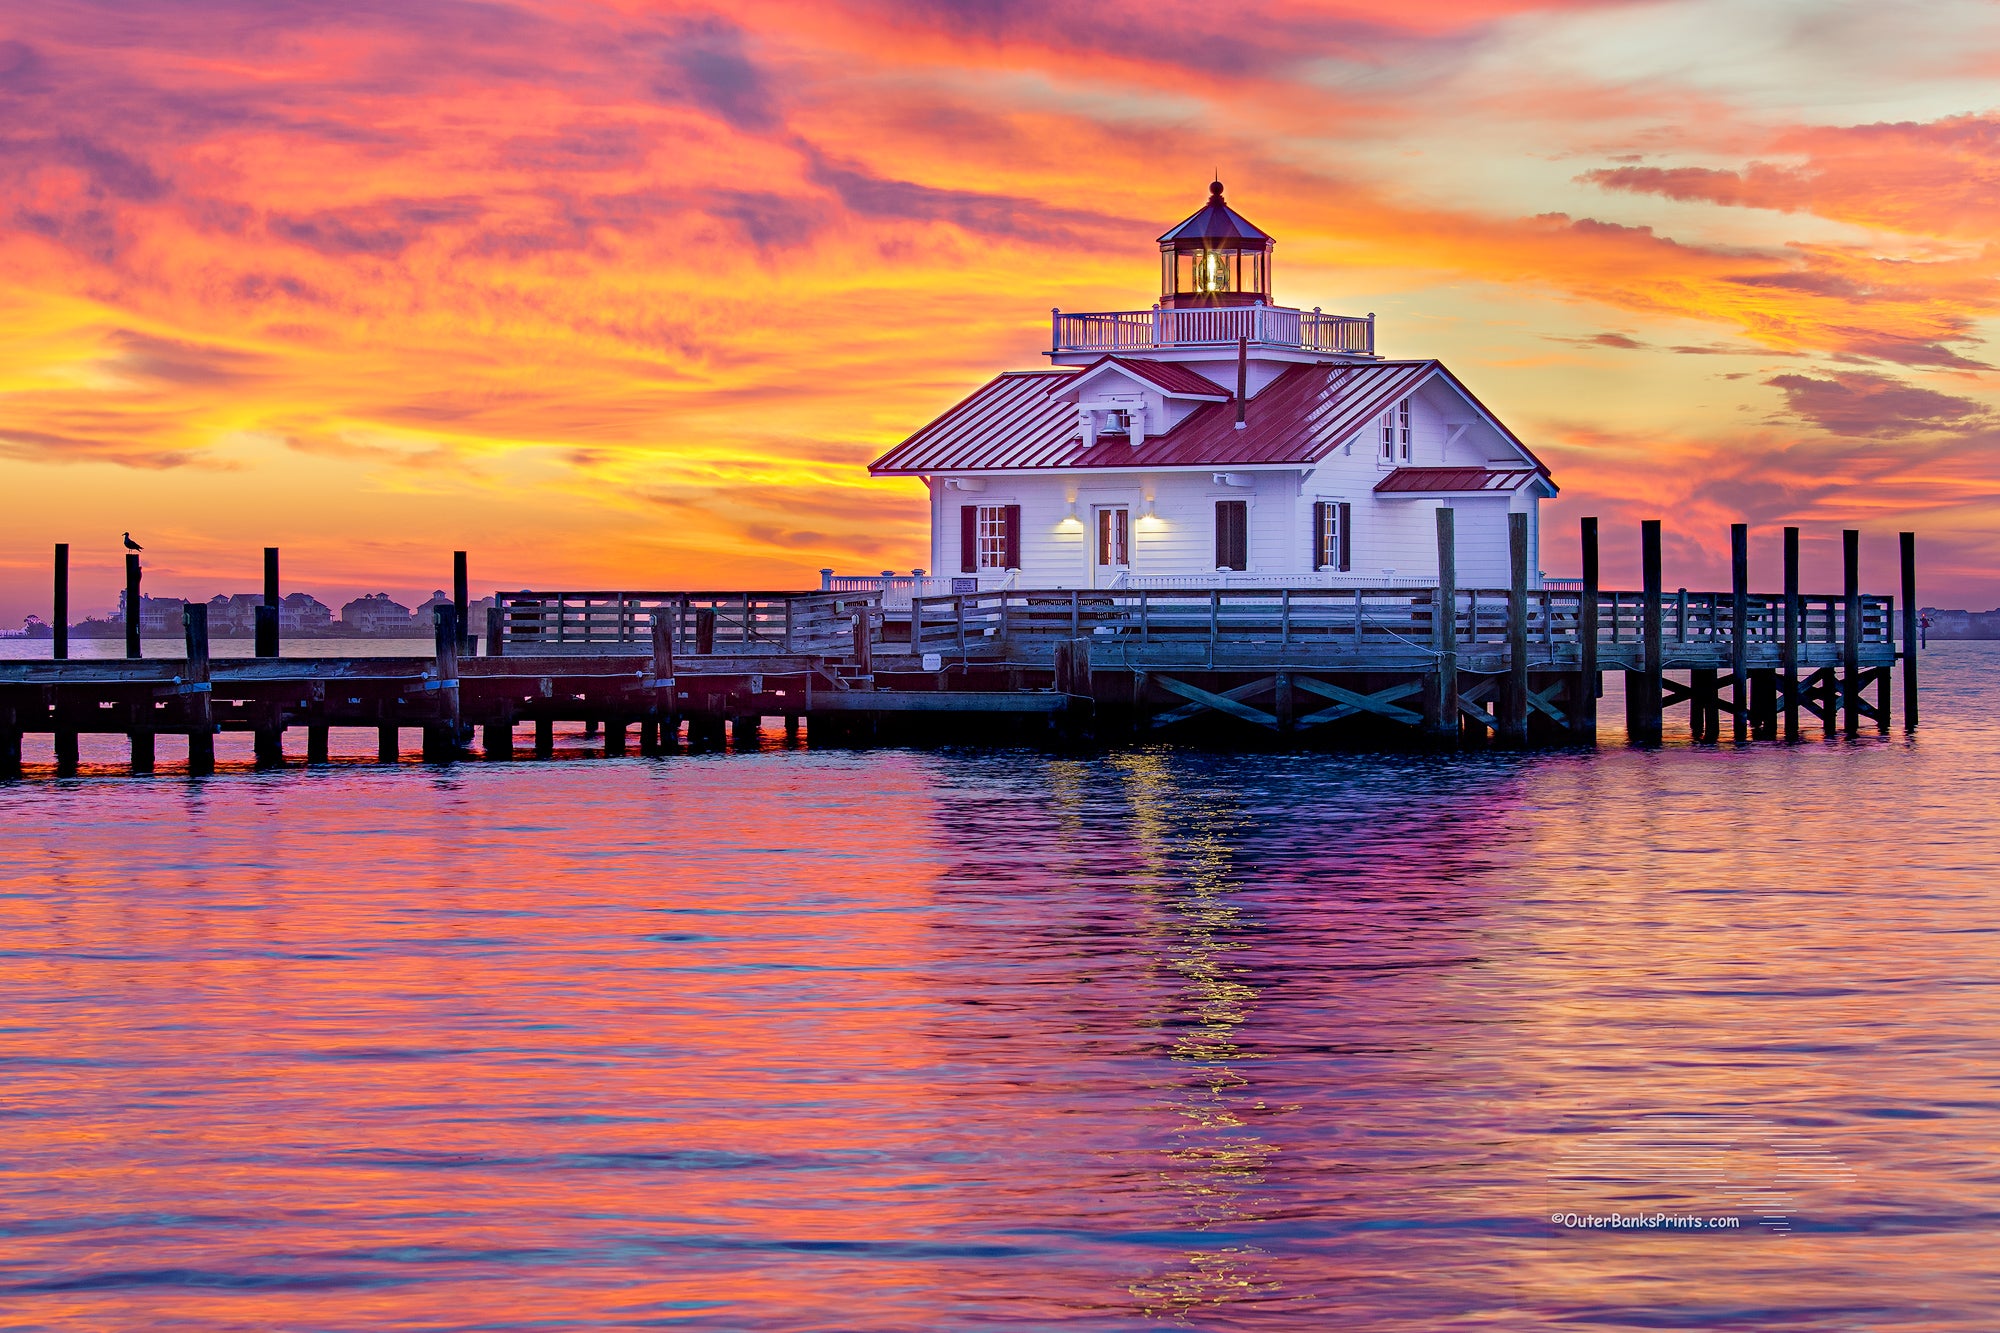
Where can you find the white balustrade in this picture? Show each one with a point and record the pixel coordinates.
(1205, 326)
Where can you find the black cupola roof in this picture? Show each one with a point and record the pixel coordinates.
(1215, 221)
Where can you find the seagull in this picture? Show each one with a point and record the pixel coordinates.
(131, 545)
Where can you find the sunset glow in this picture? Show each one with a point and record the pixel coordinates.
(628, 294)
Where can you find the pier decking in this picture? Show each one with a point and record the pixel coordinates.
(1512, 665)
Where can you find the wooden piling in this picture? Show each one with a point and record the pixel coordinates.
(1763, 704)
(1514, 714)
(1882, 692)
(1792, 628)
(10, 739)
(1282, 703)
(65, 737)
(744, 731)
(461, 598)
(388, 745)
(864, 649)
(1908, 542)
(1583, 700)
(614, 737)
(142, 751)
(59, 620)
(267, 614)
(1647, 715)
(1442, 715)
(268, 739)
(545, 737)
(441, 735)
(704, 631)
(196, 700)
(317, 743)
(132, 604)
(660, 733)
(1703, 715)
(1739, 627)
(1850, 662)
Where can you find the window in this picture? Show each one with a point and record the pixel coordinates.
(989, 537)
(1396, 433)
(992, 537)
(1232, 530)
(1332, 538)
(1114, 542)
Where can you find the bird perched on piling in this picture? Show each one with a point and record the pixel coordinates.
(131, 545)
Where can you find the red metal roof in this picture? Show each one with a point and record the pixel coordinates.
(1170, 376)
(1016, 421)
(1021, 421)
(1433, 480)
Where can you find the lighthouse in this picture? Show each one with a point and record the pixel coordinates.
(1219, 439)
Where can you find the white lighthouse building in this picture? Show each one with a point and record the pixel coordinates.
(1218, 439)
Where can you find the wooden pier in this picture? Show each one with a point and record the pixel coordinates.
(1442, 666)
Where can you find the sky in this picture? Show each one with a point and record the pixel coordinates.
(628, 295)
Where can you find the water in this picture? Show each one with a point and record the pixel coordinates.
(901, 1040)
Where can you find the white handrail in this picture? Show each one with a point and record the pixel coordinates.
(1208, 326)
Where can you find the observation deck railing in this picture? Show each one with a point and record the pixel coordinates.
(1213, 326)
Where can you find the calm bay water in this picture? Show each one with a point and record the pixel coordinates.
(897, 1040)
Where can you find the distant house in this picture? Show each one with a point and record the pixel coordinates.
(376, 614)
(1960, 624)
(302, 611)
(158, 616)
(235, 615)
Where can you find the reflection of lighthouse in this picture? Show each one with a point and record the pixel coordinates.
(1219, 1163)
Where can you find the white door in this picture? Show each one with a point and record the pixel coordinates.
(1111, 545)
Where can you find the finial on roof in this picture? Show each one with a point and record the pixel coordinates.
(1215, 188)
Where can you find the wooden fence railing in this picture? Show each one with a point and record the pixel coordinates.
(1358, 619)
(727, 622)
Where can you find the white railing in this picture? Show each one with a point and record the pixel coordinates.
(896, 589)
(1226, 578)
(1213, 326)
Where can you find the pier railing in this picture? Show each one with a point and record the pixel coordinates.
(1026, 624)
(699, 623)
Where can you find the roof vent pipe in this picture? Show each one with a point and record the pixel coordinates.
(1242, 377)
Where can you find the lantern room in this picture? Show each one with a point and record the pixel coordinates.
(1216, 257)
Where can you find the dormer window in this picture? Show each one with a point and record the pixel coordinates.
(1396, 434)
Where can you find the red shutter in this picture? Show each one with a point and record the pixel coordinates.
(1346, 536)
(1319, 535)
(968, 538)
(1013, 513)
